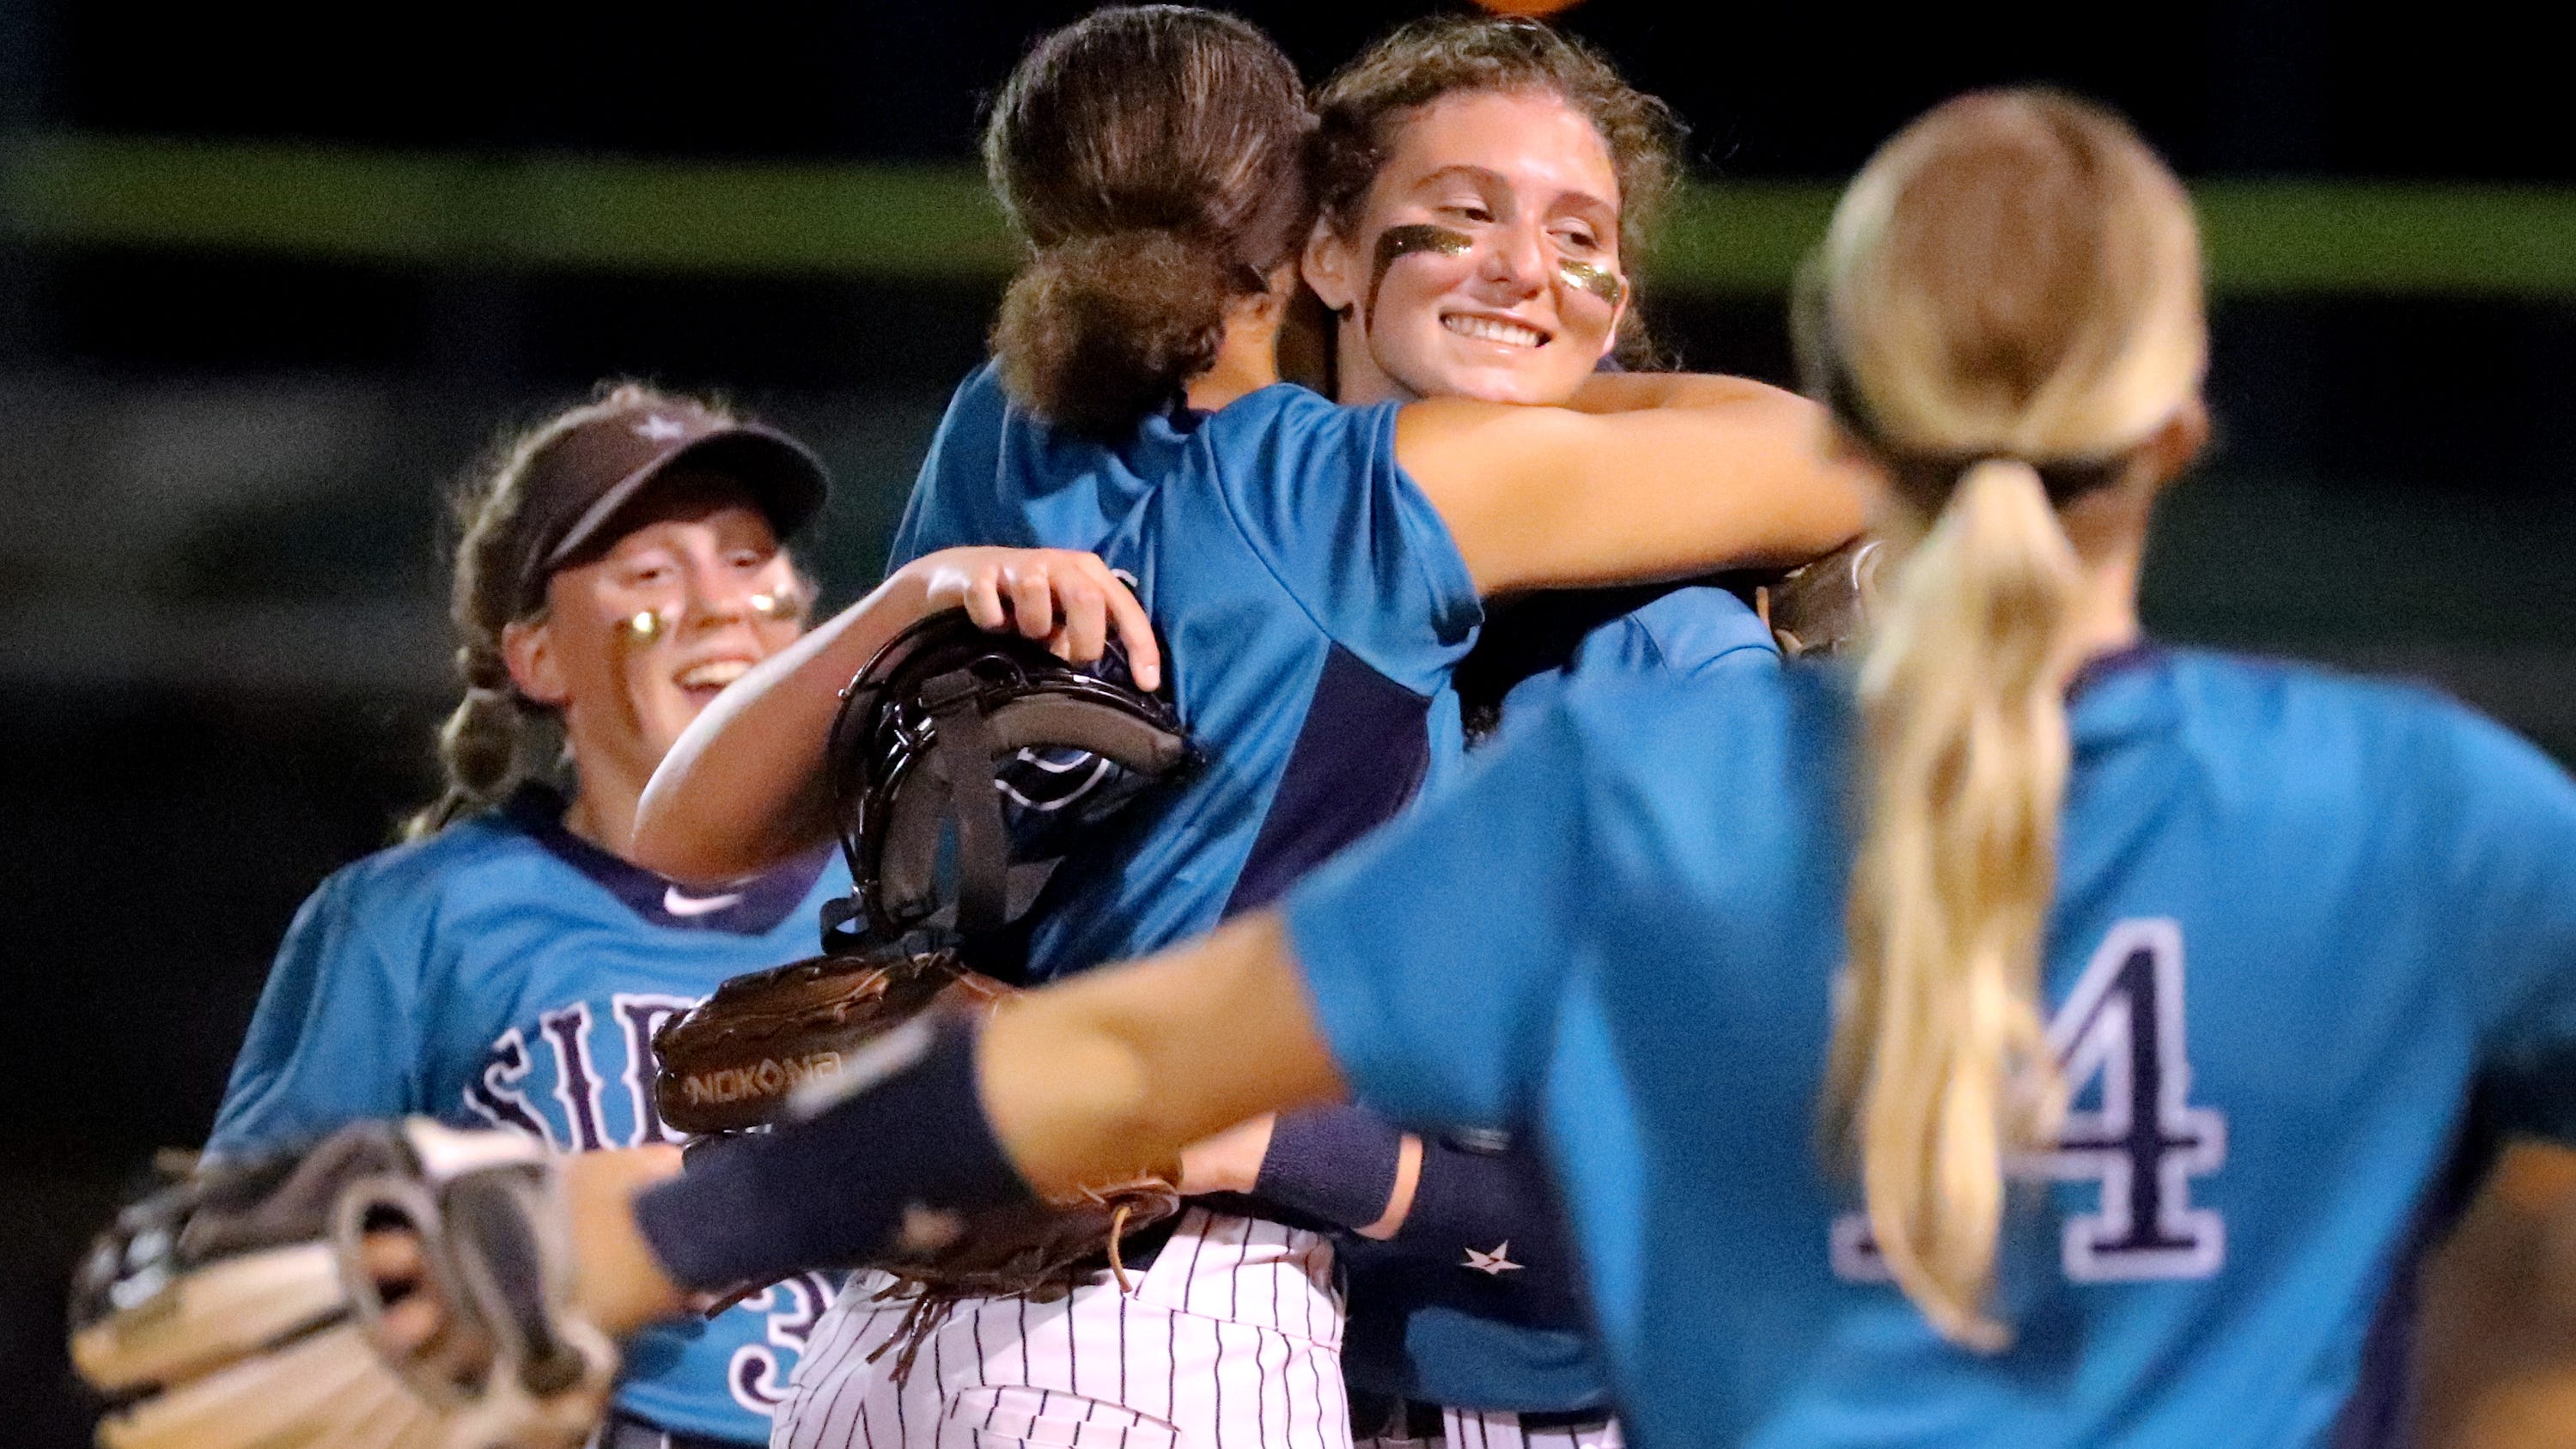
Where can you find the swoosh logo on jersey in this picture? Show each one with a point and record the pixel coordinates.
(684, 907)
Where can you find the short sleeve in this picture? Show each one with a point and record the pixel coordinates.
(1696, 632)
(1704, 630)
(957, 474)
(1315, 489)
(335, 1037)
(1435, 949)
(2513, 884)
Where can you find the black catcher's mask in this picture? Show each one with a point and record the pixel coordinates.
(990, 746)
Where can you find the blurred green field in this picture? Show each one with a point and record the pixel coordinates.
(544, 210)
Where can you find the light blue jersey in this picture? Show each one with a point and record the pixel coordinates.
(1450, 1331)
(505, 973)
(1311, 605)
(1689, 633)
(2299, 918)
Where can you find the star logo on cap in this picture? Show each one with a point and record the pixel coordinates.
(660, 429)
(1494, 1264)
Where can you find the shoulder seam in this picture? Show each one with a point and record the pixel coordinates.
(1225, 500)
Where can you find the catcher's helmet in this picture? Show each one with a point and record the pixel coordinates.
(954, 732)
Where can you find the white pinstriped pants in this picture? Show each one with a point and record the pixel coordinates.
(1231, 1340)
(1501, 1429)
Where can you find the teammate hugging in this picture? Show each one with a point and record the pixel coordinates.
(1316, 572)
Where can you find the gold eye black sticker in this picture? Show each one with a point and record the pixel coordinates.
(1397, 242)
(1599, 281)
(643, 627)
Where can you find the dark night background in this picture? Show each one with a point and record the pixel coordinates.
(220, 646)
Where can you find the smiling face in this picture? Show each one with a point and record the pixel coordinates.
(636, 642)
(1484, 261)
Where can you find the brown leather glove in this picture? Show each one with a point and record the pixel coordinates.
(733, 1062)
(1040, 1252)
(1824, 608)
(730, 1063)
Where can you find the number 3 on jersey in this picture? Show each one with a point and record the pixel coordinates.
(2119, 1040)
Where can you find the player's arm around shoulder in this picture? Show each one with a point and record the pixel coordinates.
(1659, 477)
(744, 787)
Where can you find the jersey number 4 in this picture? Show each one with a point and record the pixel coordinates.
(2119, 1040)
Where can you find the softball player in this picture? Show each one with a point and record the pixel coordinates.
(1316, 573)
(621, 564)
(1539, 168)
(1481, 183)
(2038, 1039)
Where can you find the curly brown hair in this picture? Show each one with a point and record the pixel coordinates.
(1153, 158)
(1360, 110)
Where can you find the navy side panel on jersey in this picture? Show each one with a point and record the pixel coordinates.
(2299, 919)
(1311, 605)
(505, 973)
(1491, 1329)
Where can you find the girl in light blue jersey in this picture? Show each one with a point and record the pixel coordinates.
(1511, 176)
(2036, 1039)
(620, 565)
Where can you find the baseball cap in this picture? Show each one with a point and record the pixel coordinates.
(577, 485)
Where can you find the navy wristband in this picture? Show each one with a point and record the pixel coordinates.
(1335, 1163)
(908, 1145)
(1475, 1199)
(1484, 1211)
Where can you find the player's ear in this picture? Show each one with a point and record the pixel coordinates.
(2172, 447)
(1328, 268)
(527, 647)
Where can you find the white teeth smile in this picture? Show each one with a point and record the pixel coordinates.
(714, 674)
(1494, 329)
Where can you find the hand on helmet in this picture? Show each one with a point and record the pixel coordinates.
(1068, 600)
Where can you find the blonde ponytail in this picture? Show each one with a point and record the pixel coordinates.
(1941, 1051)
(2007, 307)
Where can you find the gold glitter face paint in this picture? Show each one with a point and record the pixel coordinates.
(643, 627)
(1599, 281)
(784, 604)
(1398, 242)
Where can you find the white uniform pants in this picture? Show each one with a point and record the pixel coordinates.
(1501, 1429)
(1231, 1340)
